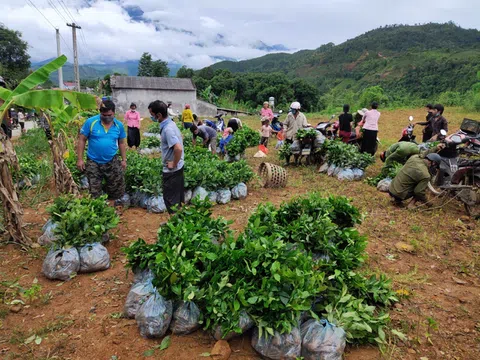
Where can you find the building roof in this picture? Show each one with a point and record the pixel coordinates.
(67, 83)
(151, 83)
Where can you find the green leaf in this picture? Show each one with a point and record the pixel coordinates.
(399, 334)
(4, 93)
(205, 354)
(149, 352)
(236, 305)
(252, 300)
(191, 295)
(165, 343)
(30, 339)
(276, 277)
(38, 340)
(54, 99)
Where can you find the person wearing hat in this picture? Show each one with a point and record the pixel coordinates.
(132, 117)
(412, 179)
(187, 117)
(266, 112)
(358, 116)
(294, 122)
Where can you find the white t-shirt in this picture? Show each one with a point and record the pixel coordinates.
(21, 117)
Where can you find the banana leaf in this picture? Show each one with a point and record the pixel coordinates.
(55, 99)
(4, 93)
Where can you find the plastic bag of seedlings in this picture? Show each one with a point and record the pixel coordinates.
(295, 147)
(322, 340)
(358, 174)
(48, 236)
(94, 257)
(186, 318)
(142, 275)
(137, 295)
(384, 185)
(224, 196)
(188, 196)
(324, 168)
(212, 196)
(84, 185)
(331, 169)
(156, 205)
(245, 323)
(279, 346)
(124, 201)
(319, 140)
(154, 316)
(346, 174)
(200, 192)
(61, 264)
(240, 192)
(139, 199)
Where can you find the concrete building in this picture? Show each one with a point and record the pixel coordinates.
(143, 90)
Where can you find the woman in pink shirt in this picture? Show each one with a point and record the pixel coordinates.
(132, 117)
(370, 130)
(266, 112)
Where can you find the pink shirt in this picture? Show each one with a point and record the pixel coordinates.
(371, 120)
(132, 118)
(268, 113)
(266, 131)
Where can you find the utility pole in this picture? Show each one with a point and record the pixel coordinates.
(75, 54)
(60, 71)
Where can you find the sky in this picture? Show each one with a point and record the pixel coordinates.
(198, 33)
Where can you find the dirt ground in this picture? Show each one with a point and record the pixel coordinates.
(438, 279)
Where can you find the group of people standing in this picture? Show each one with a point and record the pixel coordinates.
(106, 137)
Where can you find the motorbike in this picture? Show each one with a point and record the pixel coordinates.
(458, 177)
(220, 125)
(407, 133)
(328, 129)
(276, 125)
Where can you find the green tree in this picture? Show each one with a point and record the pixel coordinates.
(160, 69)
(145, 66)
(371, 94)
(14, 59)
(185, 72)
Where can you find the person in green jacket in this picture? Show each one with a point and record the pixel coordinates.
(399, 152)
(412, 180)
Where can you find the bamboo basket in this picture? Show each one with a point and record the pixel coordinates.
(273, 176)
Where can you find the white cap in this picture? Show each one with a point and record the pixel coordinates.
(295, 105)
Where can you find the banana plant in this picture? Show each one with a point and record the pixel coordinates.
(62, 104)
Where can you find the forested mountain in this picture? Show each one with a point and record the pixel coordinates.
(421, 61)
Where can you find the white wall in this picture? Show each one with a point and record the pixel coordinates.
(142, 98)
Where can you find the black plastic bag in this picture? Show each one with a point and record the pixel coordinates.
(137, 295)
(279, 346)
(154, 316)
(322, 340)
(245, 323)
(61, 264)
(186, 318)
(94, 257)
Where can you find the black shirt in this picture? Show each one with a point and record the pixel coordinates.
(345, 122)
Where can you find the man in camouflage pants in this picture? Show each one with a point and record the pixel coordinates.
(105, 135)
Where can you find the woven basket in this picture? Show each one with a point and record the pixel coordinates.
(273, 176)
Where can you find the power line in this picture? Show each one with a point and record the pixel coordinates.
(56, 10)
(29, 2)
(65, 8)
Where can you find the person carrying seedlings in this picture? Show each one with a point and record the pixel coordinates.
(370, 129)
(266, 131)
(172, 157)
(105, 136)
(295, 121)
(208, 135)
(132, 117)
(412, 179)
(187, 117)
(226, 138)
(399, 152)
(427, 130)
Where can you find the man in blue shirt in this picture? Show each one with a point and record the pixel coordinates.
(105, 136)
(208, 135)
(172, 156)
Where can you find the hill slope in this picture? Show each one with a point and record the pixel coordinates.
(422, 60)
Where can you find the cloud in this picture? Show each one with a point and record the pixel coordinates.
(196, 33)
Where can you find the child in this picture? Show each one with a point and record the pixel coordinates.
(266, 131)
(280, 139)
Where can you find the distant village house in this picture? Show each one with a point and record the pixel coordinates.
(143, 90)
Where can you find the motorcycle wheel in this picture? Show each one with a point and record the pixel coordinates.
(472, 210)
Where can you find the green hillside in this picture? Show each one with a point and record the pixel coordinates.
(421, 61)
